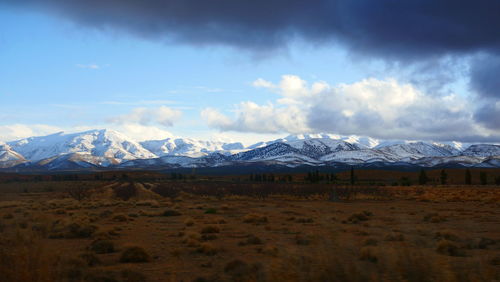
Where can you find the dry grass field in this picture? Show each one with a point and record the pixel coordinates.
(146, 231)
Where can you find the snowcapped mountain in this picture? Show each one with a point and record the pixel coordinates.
(270, 152)
(308, 151)
(417, 150)
(170, 161)
(75, 161)
(96, 149)
(9, 158)
(360, 141)
(99, 143)
(360, 156)
(190, 147)
(482, 150)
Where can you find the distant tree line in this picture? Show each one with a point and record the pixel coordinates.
(316, 176)
(269, 177)
(443, 178)
(180, 176)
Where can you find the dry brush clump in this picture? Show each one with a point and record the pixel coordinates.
(189, 222)
(121, 218)
(72, 228)
(495, 260)
(449, 248)
(210, 229)
(304, 220)
(207, 249)
(211, 211)
(208, 237)
(240, 270)
(447, 235)
(403, 263)
(370, 242)
(90, 259)
(358, 217)
(11, 204)
(79, 192)
(301, 239)
(251, 240)
(101, 246)
(255, 218)
(148, 203)
(481, 243)
(434, 218)
(134, 254)
(24, 257)
(171, 212)
(368, 254)
(395, 237)
(77, 270)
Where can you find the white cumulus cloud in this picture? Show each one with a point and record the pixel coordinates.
(88, 66)
(251, 117)
(12, 132)
(379, 108)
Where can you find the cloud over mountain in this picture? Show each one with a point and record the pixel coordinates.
(379, 108)
(10, 132)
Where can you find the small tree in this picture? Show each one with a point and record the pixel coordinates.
(468, 177)
(79, 192)
(422, 177)
(353, 179)
(443, 177)
(483, 177)
(405, 181)
(271, 178)
(309, 177)
(333, 177)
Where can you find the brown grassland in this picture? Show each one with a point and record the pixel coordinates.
(148, 230)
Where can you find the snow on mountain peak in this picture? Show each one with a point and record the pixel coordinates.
(415, 150)
(104, 147)
(482, 150)
(361, 141)
(8, 157)
(189, 147)
(103, 143)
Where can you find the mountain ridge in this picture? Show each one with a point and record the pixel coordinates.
(104, 148)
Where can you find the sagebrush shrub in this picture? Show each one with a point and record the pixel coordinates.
(134, 254)
(102, 246)
(210, 229)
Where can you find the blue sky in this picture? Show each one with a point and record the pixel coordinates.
(56, 74)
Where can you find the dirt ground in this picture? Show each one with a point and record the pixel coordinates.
(417, 234)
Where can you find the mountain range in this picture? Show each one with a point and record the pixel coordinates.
(96, 149)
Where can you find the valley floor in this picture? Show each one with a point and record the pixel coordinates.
(416, 234)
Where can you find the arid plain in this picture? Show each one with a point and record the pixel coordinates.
(176, 231)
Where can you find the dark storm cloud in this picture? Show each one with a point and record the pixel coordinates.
(489, 115)
(485, 76)
(485, 81)
(401, 30)
(424, 33)
(255, 25)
